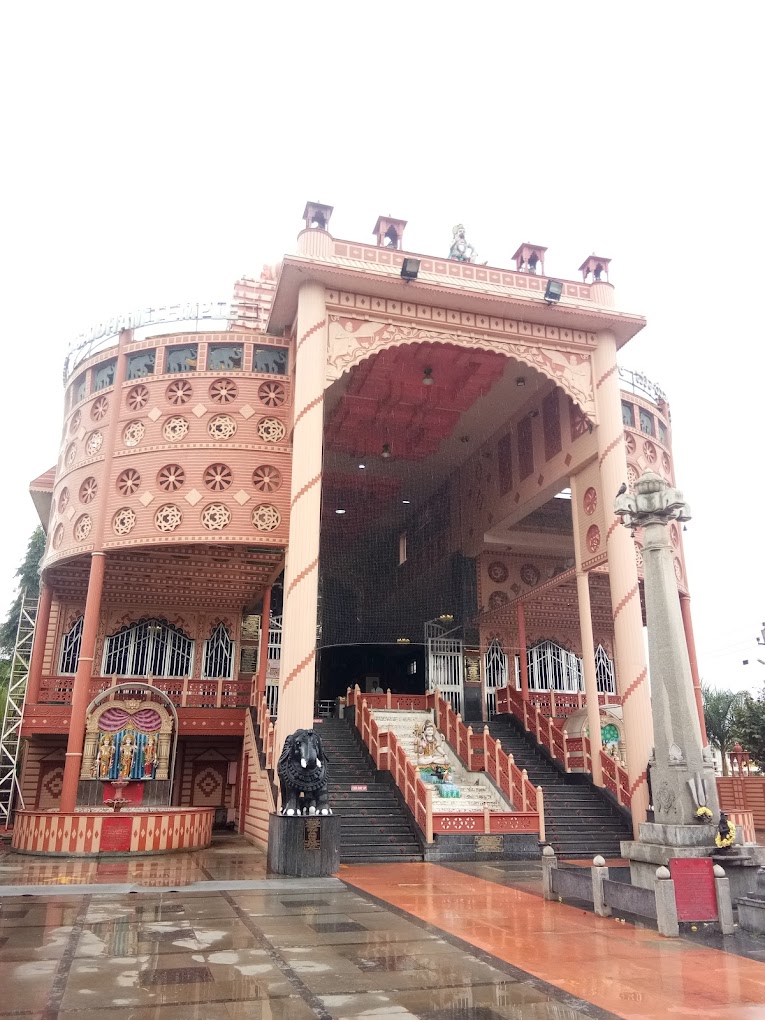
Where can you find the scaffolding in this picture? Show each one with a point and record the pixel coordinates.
(10, 736)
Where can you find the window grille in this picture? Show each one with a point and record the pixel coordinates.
(552, 668)
(628, 414)
(496, 665)
(219, 653)
(604, 671)
(70, 648)
(148, 648)
(646, 422)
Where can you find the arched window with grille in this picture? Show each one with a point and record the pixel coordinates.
(496, 665)
(604, 671)
(219, 653)
(552, 668)
(70, 648)
(151, 647)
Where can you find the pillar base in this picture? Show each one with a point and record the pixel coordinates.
(304, 846)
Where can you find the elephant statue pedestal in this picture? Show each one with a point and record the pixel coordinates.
(304, 846)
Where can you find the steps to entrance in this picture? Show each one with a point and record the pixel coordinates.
(476, 792)
(374, 826)
(579, 821)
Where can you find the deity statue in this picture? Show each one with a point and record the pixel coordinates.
(461, 249)
(149, 757)
(127, 751)
(429, 745)
(102, 764)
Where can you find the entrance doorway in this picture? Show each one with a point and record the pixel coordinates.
(400, 667)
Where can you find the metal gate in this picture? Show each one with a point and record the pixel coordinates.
(445, 665)
(273, 665)
(495, 675)
(14, 708)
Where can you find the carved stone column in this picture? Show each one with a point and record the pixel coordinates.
(163, 756)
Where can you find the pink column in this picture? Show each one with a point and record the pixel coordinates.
(81, 690)
(38, 649)
(631, 666)
(522, 652)
(301, 578)
(685, 609)
(265, 624)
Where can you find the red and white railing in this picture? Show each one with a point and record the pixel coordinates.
(266, 730)
(182, 691)
(389, 754)
(615, 779)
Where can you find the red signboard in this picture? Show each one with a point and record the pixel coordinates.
(116, 831)
(358, 788)
(695, 894)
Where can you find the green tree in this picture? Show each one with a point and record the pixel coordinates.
(29, 582)
(719, 716)
(750, 727)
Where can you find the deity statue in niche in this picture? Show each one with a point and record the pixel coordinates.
(102, 764)
(127, 752)
(461, 249)
(149, 757)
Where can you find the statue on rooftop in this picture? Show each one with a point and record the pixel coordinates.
(461, 249)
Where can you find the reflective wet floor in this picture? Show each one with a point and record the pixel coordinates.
(474, 942)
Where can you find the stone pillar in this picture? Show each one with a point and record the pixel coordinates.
(163, 756)
(685, 609)
(298, 663)
(631, 666)
(599, 873)
(265, 626)
(38, 649)
(683, 778)
(522, 653)
(81, 690)
(666, 905)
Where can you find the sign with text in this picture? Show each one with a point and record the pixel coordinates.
(358, 788)
(312, 834)
(695, 893)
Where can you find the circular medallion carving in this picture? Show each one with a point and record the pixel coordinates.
(629, 442)
(674, 534)
(82, 527)
(99, 408)
(88, 490)
(497, 599)
(666, 464)
(128, 482)
(138, 397)
(216, 516)
(593, 538)
(71, 454)
(63, 500)
(266, 478)
(74, 422)
(175, 429)
(179, 392)
(123, 521)
(266, 517)
(94, 443)
(223, 391)
(272, 394)
(498, 572)
(271, 430)
(218, 477)
(650, 451)
(590, 501)
(58, 536)
(678, 570)
(171, 477)
(133, 433)
(529, 574)
(222, 426)
(168, 517)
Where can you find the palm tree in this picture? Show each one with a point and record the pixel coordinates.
(719, 712)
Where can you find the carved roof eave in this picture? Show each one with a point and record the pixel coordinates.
(466, 295)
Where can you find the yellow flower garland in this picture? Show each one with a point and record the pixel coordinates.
(725, 841)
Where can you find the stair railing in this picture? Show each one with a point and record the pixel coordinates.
(467, 745)
(544, 730)
(267, 731)
(615, 779)
(512, 781)
(389, 700)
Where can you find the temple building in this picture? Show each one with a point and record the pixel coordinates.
(373, 481)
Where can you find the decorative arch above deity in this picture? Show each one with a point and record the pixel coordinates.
(127, 740)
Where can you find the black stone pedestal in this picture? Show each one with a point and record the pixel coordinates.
(304, 846)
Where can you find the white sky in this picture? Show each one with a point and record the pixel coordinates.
(156, 151)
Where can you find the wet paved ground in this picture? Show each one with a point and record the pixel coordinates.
(469, 942)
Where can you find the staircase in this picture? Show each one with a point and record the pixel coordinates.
(579, 821)
(373, 824)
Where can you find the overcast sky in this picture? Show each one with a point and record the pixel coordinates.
(154, 152)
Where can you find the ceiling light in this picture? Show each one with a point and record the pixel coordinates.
(427, 379)
(361, 467)
(406, 501)
(339, 511)
(385, 451)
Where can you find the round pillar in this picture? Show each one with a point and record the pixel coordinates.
(38, 649)
(522, 652)
(685, 609)
(631, 666)
(301, 576)
(590, 673)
